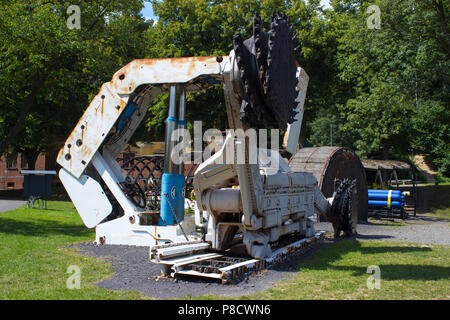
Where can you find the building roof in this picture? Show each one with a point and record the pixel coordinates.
(370, 164)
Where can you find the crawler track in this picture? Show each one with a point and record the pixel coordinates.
(192, 259)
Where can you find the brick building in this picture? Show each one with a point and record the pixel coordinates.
(10, 176)
(12, 179)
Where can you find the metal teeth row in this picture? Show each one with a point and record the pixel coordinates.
(342, 205)
(276, 16)
(242, 63)
(277, 19)
(259, 36)
(268, 107)
(255, 114)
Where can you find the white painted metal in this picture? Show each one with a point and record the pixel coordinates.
(122, 231)
(177, 263)
(104, 110)
(218, 276)
(112, 164)
(181, 265)
(93, 209)
(293, 130)
(223, 200)
(111, 180)
(248, 263)
(181, 250)
(119, 139)
(167, 70)
(274, 200)
(91, 130)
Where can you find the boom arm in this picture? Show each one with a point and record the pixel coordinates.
(127, 95)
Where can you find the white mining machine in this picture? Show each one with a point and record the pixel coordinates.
(247, 213)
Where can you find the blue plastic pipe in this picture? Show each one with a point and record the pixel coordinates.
(384, 204)
(380, 196)
(384, 191)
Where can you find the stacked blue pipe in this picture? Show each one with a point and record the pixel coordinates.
(387, 198)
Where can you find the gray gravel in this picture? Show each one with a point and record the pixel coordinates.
(6, 204)
(133, 271)
(421, 229)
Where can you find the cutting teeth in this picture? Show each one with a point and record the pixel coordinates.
(268, 103)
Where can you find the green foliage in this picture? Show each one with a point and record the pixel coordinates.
(156, 117)
(385, 90)
(327, 129)
(400, 76)
(200, 28)
(50, 72)
(430, 123)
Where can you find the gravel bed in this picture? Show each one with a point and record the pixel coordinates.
(421, 229)
(9, 204)
(133, 271)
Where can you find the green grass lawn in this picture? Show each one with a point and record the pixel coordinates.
(408, 271)
(388, 223)
(33, 264)
(441, 213)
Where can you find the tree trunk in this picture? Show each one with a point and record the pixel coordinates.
(31, 157)
(385, 152)
(440, 10)
(23, 113)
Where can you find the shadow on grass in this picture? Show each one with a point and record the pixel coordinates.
(50, 209)
(372, 237)
(41, 228)
(325, 260)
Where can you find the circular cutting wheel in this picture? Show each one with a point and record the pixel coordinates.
(342, 210)
(265, 74)
(280, 80)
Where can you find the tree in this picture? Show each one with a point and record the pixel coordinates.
(392, 70)
(200, 27)
(50, 72)
(430, 122)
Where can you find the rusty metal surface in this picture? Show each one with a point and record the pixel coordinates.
(327, 163)
(164, 71)
(370, 164)
(91, 130)
(197, 73)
